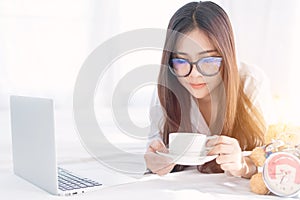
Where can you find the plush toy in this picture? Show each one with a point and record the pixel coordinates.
(278, 138)
(257, 184)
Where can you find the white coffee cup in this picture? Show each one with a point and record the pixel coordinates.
(188, 144)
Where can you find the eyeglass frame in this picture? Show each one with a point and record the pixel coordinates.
(192, 65)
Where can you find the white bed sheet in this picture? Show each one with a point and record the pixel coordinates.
(189, 184)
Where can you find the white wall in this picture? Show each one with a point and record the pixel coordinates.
(44, 43)
(267, 35)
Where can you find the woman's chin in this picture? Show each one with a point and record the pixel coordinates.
(199, 94)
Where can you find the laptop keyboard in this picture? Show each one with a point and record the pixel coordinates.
(68, 181)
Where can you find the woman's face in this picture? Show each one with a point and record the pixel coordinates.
(194, 47)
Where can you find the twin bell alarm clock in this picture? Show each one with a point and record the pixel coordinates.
(281, 170)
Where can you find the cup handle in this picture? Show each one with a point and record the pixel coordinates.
(211, 137)
(207, 149)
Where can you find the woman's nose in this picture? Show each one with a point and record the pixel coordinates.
(195, 72)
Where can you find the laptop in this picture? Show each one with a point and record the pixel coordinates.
(34, 155)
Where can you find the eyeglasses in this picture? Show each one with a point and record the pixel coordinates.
(208, 66)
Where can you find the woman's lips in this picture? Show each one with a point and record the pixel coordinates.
(197, 86)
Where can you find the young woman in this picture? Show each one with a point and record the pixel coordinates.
(201, 89)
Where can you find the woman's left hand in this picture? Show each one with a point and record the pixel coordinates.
(229, 154)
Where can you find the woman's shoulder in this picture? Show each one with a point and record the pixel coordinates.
(257, 88)
(251, 73)
(253, 78)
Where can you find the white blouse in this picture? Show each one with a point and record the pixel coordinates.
(256, 87)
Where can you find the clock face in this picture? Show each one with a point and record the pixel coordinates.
(281, 174)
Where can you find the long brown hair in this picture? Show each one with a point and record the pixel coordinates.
(242, 120)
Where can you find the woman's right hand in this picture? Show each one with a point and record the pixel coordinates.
(158, 164)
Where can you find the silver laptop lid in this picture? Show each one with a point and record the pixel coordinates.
(32, 126)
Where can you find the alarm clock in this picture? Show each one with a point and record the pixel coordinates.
(281, 174)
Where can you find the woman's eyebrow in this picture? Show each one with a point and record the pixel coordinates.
(207, 51)
(178, 52)
(200, 53)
